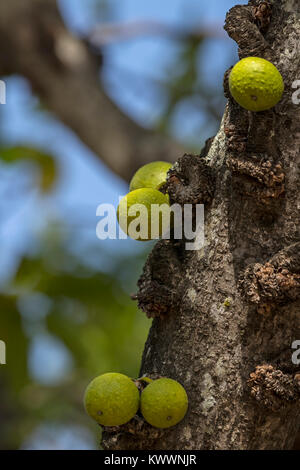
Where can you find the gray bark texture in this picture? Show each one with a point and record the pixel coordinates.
(225, 317)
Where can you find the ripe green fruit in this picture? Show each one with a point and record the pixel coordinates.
(153, 175)
(112, 399)
(136, 210)
(164, 403)
(256, 84)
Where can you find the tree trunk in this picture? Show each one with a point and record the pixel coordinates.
(226, 315)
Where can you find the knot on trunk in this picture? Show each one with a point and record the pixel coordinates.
(246, 25)
(154, 298)
(272, 388)
(159, 285)
(191, 181)
(275, 282)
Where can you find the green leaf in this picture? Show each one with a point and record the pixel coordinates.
(11, 332)
(46, 163)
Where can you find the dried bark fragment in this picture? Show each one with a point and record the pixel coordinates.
(276, 281)
(272, 388)
(262, 14)
(257, 176)
(236, 141)
(159, 285)
(260, 169)
(190, 181)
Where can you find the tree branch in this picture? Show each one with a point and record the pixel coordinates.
(109, 33)
(64, 73)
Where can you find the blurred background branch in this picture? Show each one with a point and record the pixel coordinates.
(106, 34)
(64, 73)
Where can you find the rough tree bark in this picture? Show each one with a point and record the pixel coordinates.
(64, 73)
(225, 316)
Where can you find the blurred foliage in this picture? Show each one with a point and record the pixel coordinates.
(183, 77)
(45, 163)
(186, 91)
(89, 312)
